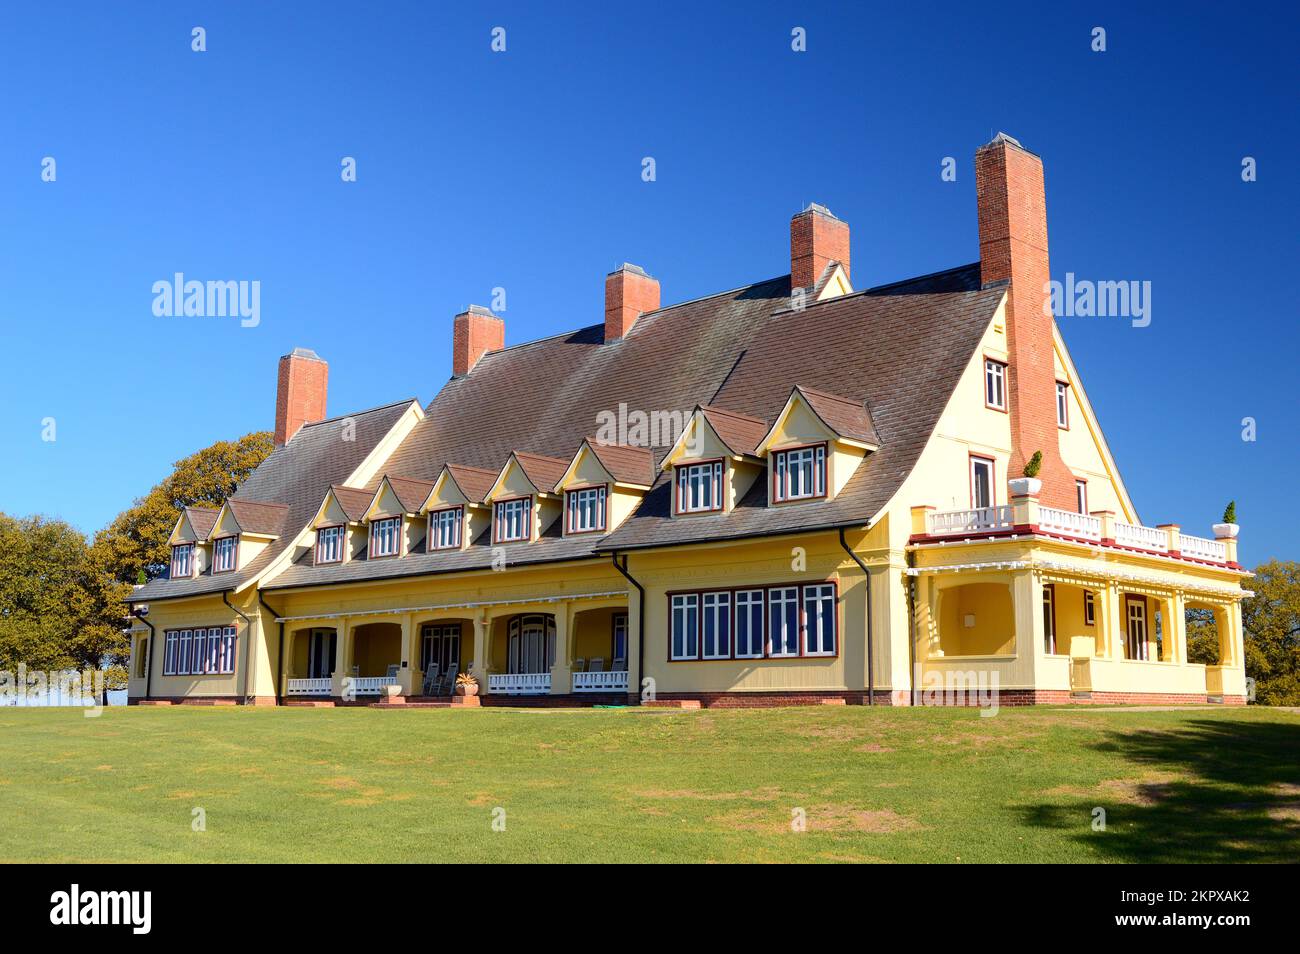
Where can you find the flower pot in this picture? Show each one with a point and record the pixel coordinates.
(467, 689)
(1025, 486)
(1226, 531)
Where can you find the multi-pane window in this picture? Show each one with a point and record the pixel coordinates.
(329, 545)
(716, 625)
(619, 647)
(995, 384)
(749, 624)
(197, 652)
(182, 561)
(224, 550)
(1136, 645)
(799, 473)
(386, 536)
(1081, 495)
(444, 528)
(981, 482)
(699, 487)
(1049, 619)
(512, 520)
(1062, 404)
(686, 626)
(586, 509)
(783, 621)
(819, 620)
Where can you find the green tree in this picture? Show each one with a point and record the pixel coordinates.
(136, 540)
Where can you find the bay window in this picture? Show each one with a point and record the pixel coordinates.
(224, 554)
(329, 545)
(799, 473)
(386, 537)
(444, 528)
(699, 487)
(585, 510)
(182, 561)
(512, 520)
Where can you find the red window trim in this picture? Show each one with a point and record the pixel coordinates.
(1066, 425)
(183, 667)
(370, 548)
(1006, 387)
(767, 627)
(528, 527)
(215, 541)
(342, 543)
(428, 528)
(826, 473)
(604, 509)
(1077, 482)
(993, 477)
(1130, 598)
(171, 569)
(721, 493)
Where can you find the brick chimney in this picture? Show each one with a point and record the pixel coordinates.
(1013, 246)
(476, 332)
(300, 392)
(816, 237)
(629, 293)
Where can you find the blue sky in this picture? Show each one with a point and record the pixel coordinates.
(522, 170)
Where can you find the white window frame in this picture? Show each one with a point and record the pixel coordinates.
(585, 509)
(745, 605)
(1062, 405)
(778, 624)
(186, 563)
(816, 596)
(445, 528)
(171, 645)
(992, 485)
(330, 539)
(715, 610)
(995, 384)
(684, 608)
(379, 532)
(809, 464)
(690, 484)
(225, 554)
(1089, 608)
(516, 510)
(618, 640)
(1081, 495)
(1049, 619)
(198, 651)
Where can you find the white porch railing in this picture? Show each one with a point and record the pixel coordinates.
(1069, 523)
(316, 686)
(520, 683)
(615, 681)
(1144, 538)
(945, 522)
(371, 685)
(1199, 548)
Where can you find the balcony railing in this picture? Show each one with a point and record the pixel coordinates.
(613, 681)
(1143, 538)
(979, 520)
(1199, 548)
(316, 686)
(520, 683)
(1069, 523)
(371, 685)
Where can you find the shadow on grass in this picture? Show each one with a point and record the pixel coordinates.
(1218, 791)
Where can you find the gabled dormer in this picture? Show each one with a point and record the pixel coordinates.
(713, 462)
(602, 485)
(454, 511)
(393, 516)
(814, 445)
(340, 524)
(188, 541)
(523, 497)
(241, 530)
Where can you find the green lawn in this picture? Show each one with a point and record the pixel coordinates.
(348, 784)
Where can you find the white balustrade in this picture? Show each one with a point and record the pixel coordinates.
(980, 519)
(1069, 523)
(1199, 548)
(614, 681)
(1144, 538)
(520, 683)
(316, 686)
(371, 685)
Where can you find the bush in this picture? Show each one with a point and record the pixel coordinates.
(1035, 464)
(1230, 512)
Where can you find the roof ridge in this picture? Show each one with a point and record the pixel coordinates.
(369, 410)
(829, 394)
(909, 281)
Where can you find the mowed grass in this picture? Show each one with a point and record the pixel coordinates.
(874, 784)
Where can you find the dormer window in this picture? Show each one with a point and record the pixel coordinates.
(512, 520)
(329, 545)
(699, 487)
(182, 561)
(224, 551)
(585, 510)
(799, 473)
(386, 537)
(444, 528)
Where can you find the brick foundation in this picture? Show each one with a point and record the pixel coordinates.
(577, 700)
(767, 700)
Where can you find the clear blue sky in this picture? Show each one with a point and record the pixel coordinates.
(522, 170)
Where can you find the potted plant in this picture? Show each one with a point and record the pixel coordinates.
(466, 684)
(1029, 483)
(1228, 529)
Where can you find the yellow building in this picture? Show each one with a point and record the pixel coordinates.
(790, 492)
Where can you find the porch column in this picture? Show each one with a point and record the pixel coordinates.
(562, 668)
(1116, 632)
(1176, 631)
(1027, 601)
(409, 676)
(342, 657)
(482, 634)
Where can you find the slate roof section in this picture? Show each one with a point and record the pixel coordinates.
(626, 464)
(354, 501)
(202, 520)
(296, 475)
(266, 519)
(846, 417)
(474, 482)
(740, 432)
(410, 493)
(543, 472)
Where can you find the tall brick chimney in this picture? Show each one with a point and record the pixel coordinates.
(1013, 245)
(629, 292)
(300, 392)
(476, 332)
(816, 237)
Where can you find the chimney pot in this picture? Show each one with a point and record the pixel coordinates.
(629, 293)
(301, 388)
(475, 332)
(817, 237)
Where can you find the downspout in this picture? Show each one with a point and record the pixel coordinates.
(248, 654)
(871, 663)
(640, 617)
(148, 663)
(279, 651)
(911, 627)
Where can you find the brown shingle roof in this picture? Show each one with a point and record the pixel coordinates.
(202, 520)
(626, 464)
(543, 472)
(740, 432)
(354, 501)
(254, 516)
(474, 482)
(846, 417)
(410, 492)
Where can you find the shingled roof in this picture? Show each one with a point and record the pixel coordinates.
(740, 432)
(896, 351)
(254, 516)
(542, 472)
(845, 416)
(202, 520)
(474, 482)
(354, 501)
(626, 464)
(296, 475)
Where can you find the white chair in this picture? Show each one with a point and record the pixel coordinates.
(393, 670)
(430, 682)
(597, 664)
(580, 665)
(620, 665)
